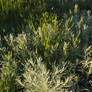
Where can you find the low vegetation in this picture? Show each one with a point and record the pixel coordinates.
(44, 49)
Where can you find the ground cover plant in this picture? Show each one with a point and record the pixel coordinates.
(45, 46)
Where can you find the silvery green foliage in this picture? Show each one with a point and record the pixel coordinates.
(88, 53)
(8, 61)
(38, 79)
(16, 43)
(87, 67)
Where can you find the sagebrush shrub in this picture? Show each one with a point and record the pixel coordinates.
(38, 79)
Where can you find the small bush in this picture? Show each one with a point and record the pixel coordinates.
(38, 79)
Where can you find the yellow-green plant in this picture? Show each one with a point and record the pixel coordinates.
(57, 39)
(8, 5)
(8, 75)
